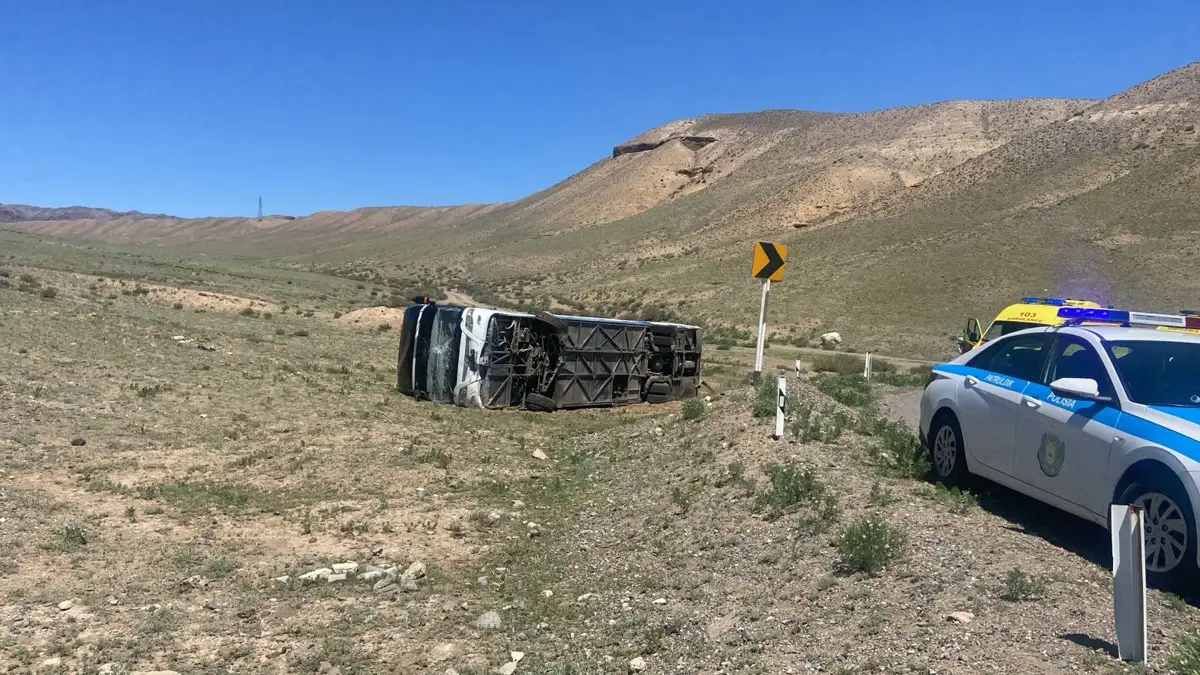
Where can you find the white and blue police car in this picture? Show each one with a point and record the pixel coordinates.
(1103, 409)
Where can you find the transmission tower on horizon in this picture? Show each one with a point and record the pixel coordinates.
(260, 207)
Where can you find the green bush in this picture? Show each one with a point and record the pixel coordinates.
(1185, 657)
(869, 544)
(851, 390)
(49, 292)
(842, 364)
(693, 409)
(792, 484)
(896, 451)
(1020, 586)
(821, 426)
(764, 403)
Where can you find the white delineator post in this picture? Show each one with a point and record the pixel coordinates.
(780, 406)
(798, 367)
(762, 326)
(867, 366)
(1129, 580)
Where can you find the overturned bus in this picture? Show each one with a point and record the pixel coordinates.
(492, 358)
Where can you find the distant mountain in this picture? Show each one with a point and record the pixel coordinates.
(19, 213)
(900, 222)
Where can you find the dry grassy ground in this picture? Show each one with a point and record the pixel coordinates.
(161, 502)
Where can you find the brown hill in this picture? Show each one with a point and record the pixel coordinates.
(901, 221)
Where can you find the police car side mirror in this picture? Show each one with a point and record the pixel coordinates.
(1076, 387)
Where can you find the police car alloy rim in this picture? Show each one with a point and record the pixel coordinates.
(1166, 532)
(945, 451)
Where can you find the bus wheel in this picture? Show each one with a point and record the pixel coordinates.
(539, 403)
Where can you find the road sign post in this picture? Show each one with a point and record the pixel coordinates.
(762, 326)
(768, 266)
(1128, 534)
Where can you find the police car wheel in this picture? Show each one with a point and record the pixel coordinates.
(946, 451)
(1170, 543)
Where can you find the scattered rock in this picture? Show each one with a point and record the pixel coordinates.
(518, 504)
(658, 431)
(831, 338)
(443, 652)
(322, 573)
(494, 516)
(547, 593)
(110, 668)
(386, 586)
(507, 669)
(517, 656)
(283, 579)
(377, 551)
(346, 567)
(335, 577)
(483, 581)
(372, 575)
(112, 600)
(78, 442)
(585, 597)
(56, 662)
(65, 605)
(961, 617)
(538, 454)
(489, 620)
(415, 570)
(660, 601)
(408, 584)
(209, 604)
(637, 665)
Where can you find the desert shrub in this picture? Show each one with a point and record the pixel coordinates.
(1020, 586)
(896, 450)
(869, 544)
(764, 402)
(842, 364)
(49, 292)
(792, 484)
(852, 390)
(1185, 657)
(693, 409)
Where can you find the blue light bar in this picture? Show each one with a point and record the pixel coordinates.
(1029, 301)
(1129, 318)
(1055, 301)
(1093, 314)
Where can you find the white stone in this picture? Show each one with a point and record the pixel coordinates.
(322, 573)
(346, 567)
(538, 454)
(415, 570)
(660, 601)
(637, 665)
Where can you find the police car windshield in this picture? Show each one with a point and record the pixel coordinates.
(1158, 372)
(1002, 328)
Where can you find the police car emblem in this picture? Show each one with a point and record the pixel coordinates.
(1051, 454)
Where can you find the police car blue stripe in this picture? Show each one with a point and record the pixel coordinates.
(1106, 415)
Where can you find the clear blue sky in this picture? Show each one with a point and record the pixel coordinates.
(196, 108)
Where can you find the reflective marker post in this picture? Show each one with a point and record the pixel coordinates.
(867, 366)
(798, 367)
(762, 326)
(1129, 580)
(780, 406)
